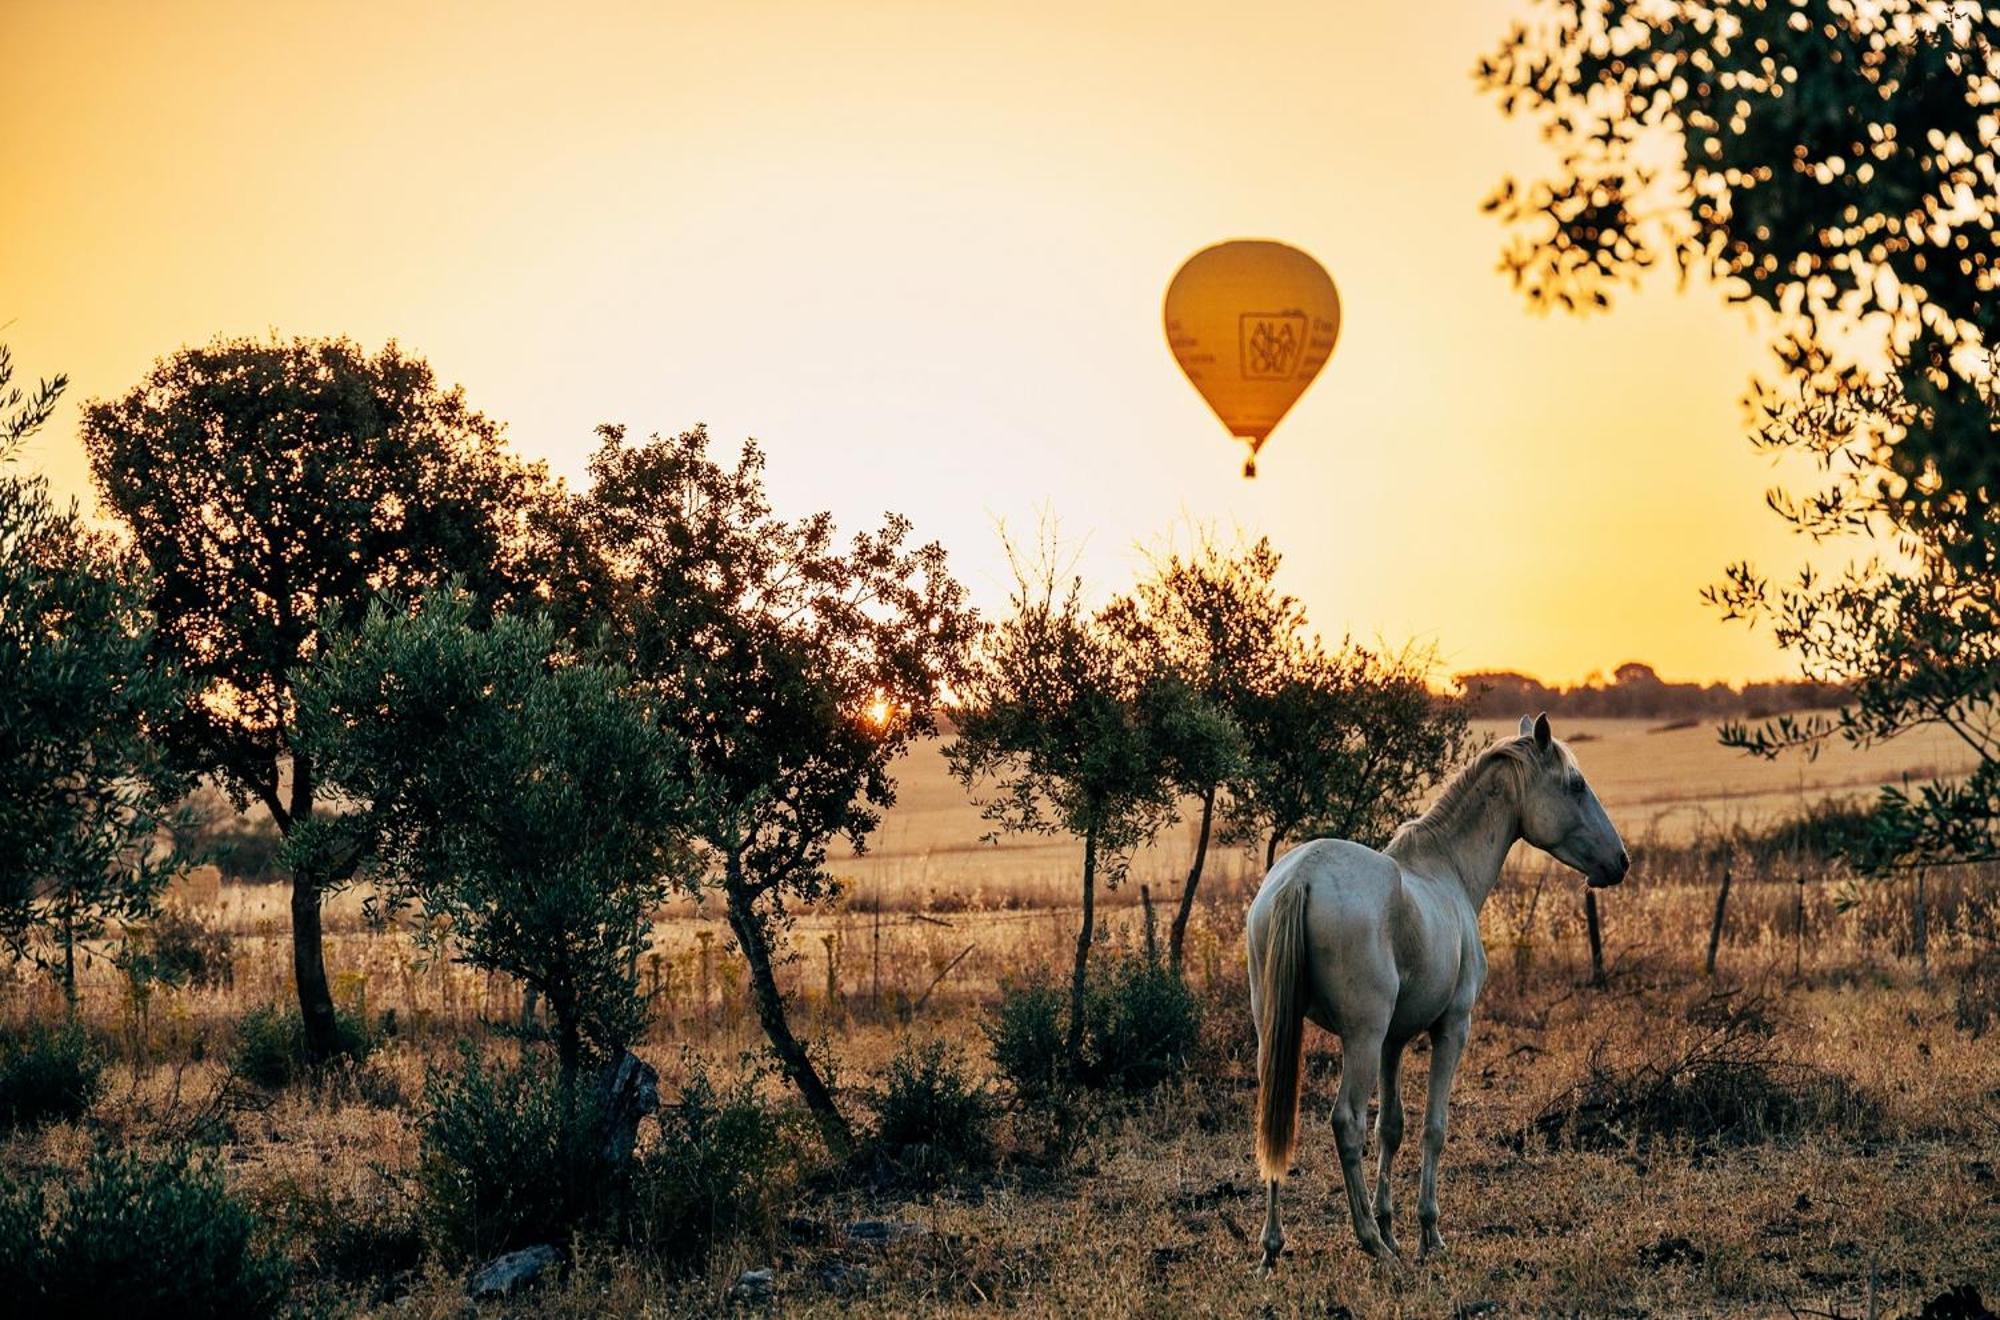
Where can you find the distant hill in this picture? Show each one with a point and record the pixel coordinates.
(1635, 691)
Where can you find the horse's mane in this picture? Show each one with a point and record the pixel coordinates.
(1452, 801)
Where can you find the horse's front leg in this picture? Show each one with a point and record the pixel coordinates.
(1360, 1055)
(1447, 1043)
(1388, 1137)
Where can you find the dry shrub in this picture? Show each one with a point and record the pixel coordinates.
(334, 1233)
(135, 1236)
(933, 1121)
(507, 1159)
(270, 1047)
(178, 947)
(725, 1163)
(1976, 1002)
(48, 1075)
(1721, 1082)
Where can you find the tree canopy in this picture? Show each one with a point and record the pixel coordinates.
(528, 801)
(85, 795)
(1834, 162)
(1837, 164)
(273, 488)
(793, 669)
(1061, 729)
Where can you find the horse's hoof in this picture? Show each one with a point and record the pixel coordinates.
(1393, 1265)
(1433, 1246)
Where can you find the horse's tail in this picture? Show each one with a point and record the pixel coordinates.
(1281, 1029)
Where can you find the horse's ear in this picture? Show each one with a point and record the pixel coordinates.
(1542, 735)
(1527, 725)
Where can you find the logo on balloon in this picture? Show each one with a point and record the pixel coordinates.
(1270, 344)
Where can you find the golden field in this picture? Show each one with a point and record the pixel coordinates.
(1875, 1203)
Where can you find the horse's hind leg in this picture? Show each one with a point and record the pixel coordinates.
(1274, 1237)
(1447, 1043)
(1360, 1056)
(1388, 1137)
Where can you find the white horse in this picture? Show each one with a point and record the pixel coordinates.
(1378, 946)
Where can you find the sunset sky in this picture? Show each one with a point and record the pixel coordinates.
(918, 251)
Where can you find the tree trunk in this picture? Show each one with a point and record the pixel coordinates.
(69, 956)
(1177, 937)
(792, 1056)
(1083, 935)
(308, 948)
(569, 1043)
(309, 969)
(1271, 851)
(1596, 937)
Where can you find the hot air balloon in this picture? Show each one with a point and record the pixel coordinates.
(1251, 322)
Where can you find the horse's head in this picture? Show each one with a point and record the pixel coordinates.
(1561, 815)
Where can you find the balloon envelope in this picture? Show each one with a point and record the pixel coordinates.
(1251, 322)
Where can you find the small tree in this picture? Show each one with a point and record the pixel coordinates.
(274, 489)
(1344, 747)
(527, 801)
(1059, 730)
(84, 793)
(794, 673)
(1214, 621)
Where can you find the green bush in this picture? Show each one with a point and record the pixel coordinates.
(1141, 1024)
(179, 948)
(271, 1046)
(48, 1074)
(718, 1171)
(1026, 1034)
(932, 1121)
(504, 1162)
(142, 1239)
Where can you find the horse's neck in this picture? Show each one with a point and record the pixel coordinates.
(1467, 836)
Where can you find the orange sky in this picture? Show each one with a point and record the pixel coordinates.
(918, 250)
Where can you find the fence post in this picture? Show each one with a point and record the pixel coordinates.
(1596, 938)
(1715, 927)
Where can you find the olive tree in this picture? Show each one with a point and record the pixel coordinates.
(792, 669)
(527, 802)
(1839, 165)
(1059, 732)
(272, 489)
(1212, 620)
(85, 794)
(1345, 745)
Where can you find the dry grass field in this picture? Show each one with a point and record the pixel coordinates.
(1829, 1141)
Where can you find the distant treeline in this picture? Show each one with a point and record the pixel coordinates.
(1636, 692)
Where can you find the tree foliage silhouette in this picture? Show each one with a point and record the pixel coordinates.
(273, 489)
(1060, 730)
(1840, 165)
(527, 802)
(793, 671)
(84, 791)
(1343, 745)
(1213, 620)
